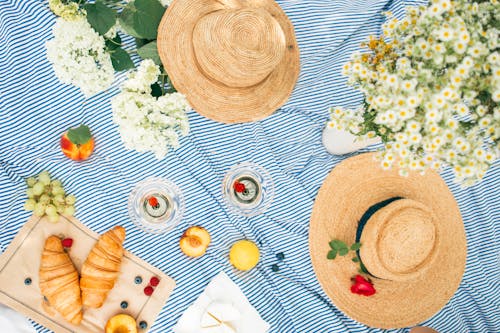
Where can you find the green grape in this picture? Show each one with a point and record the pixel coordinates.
(30, 193)
(44, 198)
(39, 209)
(57, 190)
(59, 199)
(70, 199)
(69, 210)
(38, 188)
(54, 218)
(56, 183)
(30, 181)
(60, 208)
(44, 178)
(50, 210)
(29, 204)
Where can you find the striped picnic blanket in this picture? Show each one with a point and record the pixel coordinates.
(35, 108)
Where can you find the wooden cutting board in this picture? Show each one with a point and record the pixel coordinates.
(21, 260)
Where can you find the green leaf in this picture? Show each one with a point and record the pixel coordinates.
(150, 51)
(79, 135)
(355, 246)
(337, 244)
(343, 251)
(156, 90)
(331, 254)
(114, 43)
(139, 42)
(141, 18)
(121, 59)
(126, 20)
(100, 16)
(355, 259)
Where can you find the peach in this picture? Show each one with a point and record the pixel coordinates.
(194, 241)
(77, 144)
(121, 323)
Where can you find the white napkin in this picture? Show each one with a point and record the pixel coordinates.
(221, 308)
(13, 322)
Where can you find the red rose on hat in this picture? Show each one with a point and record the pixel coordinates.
(362, 286)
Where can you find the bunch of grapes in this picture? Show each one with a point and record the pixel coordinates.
(47, 197)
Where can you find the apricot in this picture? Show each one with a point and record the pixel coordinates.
(121, 323)
(194, 241)
(77, 145)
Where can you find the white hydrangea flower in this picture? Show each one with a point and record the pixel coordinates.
(141, 80)
(69, 11)
(147, 123)
(78, 56)
(113, 31)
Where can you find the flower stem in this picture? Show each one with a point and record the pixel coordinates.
(114, 42)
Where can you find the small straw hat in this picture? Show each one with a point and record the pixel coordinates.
(235, 60)
(412, 236)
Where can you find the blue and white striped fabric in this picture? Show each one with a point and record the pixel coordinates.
(35, 109)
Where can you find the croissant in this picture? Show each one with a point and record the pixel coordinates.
(59, 281)
(101, 269)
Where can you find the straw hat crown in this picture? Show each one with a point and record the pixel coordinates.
(238, 47)
(235, 60)
(398, 240)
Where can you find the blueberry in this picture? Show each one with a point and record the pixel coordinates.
(138, 279)
(143, 324)
(27, 281)
(275, 268)
(280, 256)
(124, 305)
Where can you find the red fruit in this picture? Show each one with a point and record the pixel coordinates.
(362, 286)
(239, 187)
(154, 281)
(148, 291)
(77, 143)
(153, 202)
(67, 242)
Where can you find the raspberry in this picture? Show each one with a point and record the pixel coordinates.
(148, 291)
(153, 202)
(154, 281)
(67, 242)
(239, 187)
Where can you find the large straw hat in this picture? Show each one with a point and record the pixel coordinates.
(235, 60)
(412, 235)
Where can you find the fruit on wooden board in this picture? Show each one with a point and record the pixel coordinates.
(121, 323)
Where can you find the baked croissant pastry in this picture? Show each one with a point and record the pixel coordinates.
(100, 270)
(59, 281)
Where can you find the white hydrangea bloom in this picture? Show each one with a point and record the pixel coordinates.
(147, 123)
(78, 56)
(69, 11)
(113, 31)
(141, 80)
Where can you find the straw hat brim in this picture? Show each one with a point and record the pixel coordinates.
(213, 99)
(349, 190)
